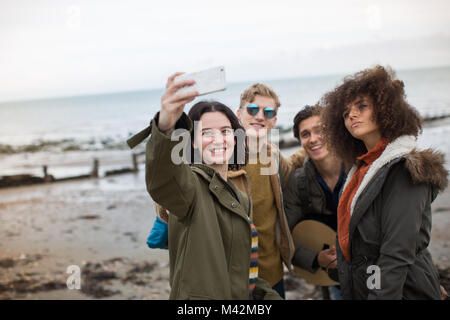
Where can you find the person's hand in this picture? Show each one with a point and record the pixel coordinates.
(173, 102)
(327, 258)
(444, 295)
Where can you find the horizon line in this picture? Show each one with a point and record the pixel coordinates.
(105, 93)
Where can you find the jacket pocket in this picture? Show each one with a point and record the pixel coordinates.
(359, 278)
(369, 229)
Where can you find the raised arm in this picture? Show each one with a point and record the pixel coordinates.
(291, 200)
(169, 182)
(303, 257)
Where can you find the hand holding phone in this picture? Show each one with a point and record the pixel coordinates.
(173, 102)
(206, 81)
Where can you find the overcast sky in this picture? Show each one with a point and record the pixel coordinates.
(54, 48)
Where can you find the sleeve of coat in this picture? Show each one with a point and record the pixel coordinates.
(263, 291)
(401, 219)
(285, 170)
(291, 200)
(303, 257)
(170, 183)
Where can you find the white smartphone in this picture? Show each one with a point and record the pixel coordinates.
(206, 81)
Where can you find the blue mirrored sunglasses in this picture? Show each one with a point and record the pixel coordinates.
(253, 110)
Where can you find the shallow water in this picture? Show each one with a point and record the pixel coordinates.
(99, 119)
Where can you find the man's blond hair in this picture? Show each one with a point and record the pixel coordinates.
(259, 89)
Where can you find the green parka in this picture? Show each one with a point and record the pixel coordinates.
(209, 225)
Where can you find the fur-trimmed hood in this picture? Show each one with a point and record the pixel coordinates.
(425, 166)
(298, 158)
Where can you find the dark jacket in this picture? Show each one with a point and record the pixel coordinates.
(390, 226)
(304, 199)
(209, 226)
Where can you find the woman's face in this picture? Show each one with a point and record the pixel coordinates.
(215, 136)
(358, 119)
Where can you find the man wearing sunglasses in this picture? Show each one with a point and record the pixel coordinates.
(257, 113)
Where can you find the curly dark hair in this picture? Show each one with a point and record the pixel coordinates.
(391, 112)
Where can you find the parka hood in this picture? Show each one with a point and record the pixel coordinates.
(427, 166)
(298, 158)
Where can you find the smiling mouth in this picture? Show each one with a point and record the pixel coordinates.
(217, 151)
(315, 148)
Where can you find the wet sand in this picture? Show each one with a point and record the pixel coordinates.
(46, 228)
(101, 225)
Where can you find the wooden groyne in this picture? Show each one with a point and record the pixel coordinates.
(436, 115)
(28, 179)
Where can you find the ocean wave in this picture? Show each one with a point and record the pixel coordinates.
(65, 145)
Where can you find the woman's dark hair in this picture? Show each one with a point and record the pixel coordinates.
(305, 113)
(391, 112)
(239, 157)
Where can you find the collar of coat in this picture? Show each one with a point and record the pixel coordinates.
(425, 166)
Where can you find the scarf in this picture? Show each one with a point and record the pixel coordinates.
(344, 207)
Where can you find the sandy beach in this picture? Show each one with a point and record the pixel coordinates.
(101, 225)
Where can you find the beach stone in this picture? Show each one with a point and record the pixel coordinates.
(7, 263)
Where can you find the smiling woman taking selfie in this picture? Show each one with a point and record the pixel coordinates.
(384, 212)
(212, 240)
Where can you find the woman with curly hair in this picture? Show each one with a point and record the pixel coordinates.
(384, 211)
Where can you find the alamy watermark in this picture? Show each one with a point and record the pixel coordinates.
(74, 280)
(374, 280)
(260, 148)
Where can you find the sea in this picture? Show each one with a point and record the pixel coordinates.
(94, 121)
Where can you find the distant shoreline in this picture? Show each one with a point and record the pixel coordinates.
(161, 89)
(108, 143)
